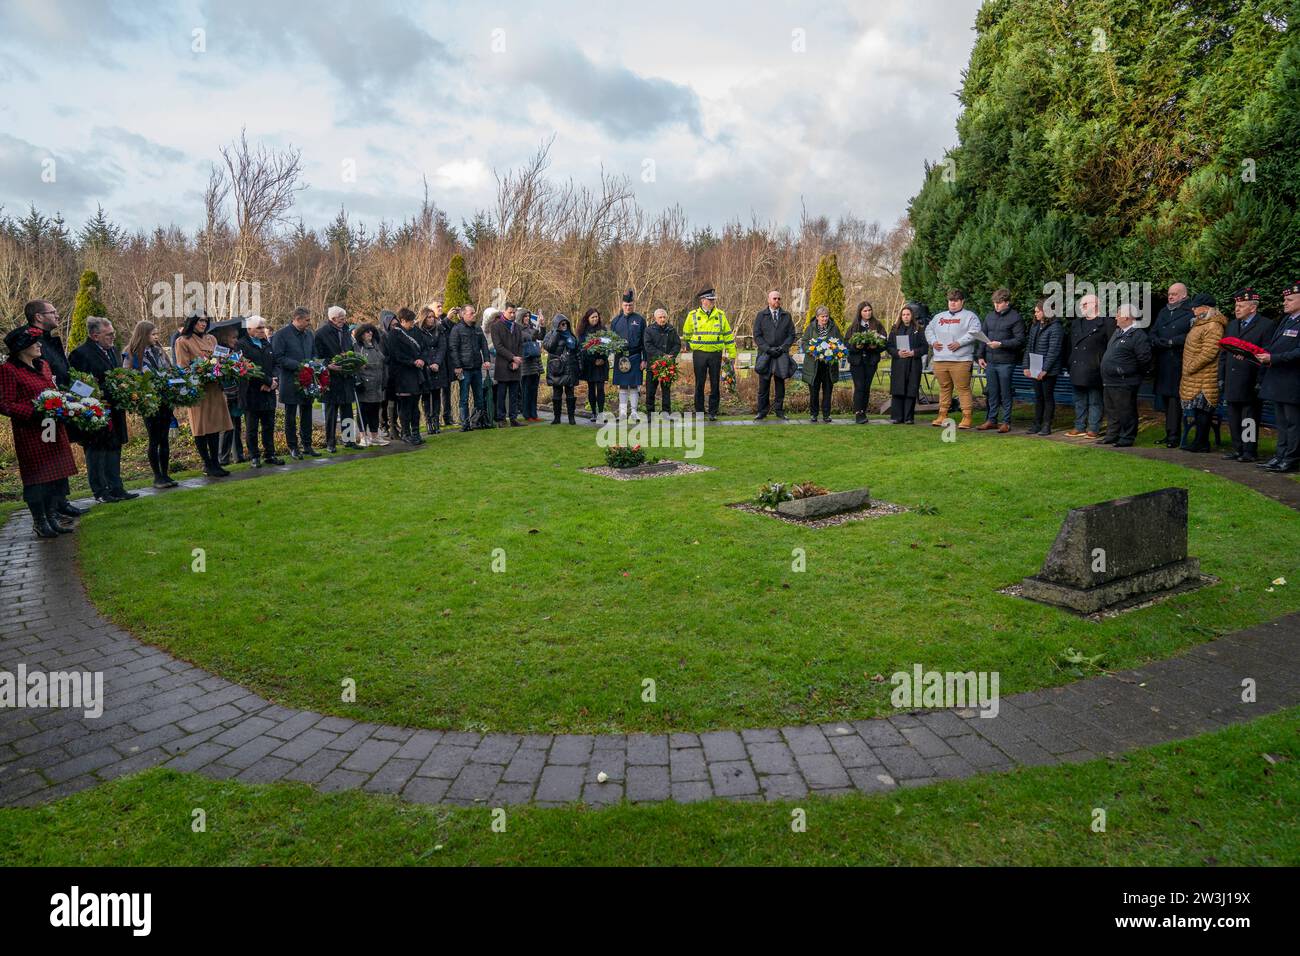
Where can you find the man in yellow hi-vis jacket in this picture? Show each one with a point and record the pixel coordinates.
(709, 335)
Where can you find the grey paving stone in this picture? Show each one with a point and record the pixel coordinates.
(570, 749)
(133, 764)
(926, 742)
(904, 763)
(291, 727)
(462, 739)
(783, 786)
(495, 748)
(722, 745)
(978, 752)
(445, 760)
(475, 782)
(733, 777)
(190, 741)
(560, 784)
(602, 794)
(691, 791)
(304, 745)
(842, 729)
(904, 720)
(251, 752)
(425, 790)
(209, 718)
(266, 770)
(510, 794)
(647, 749)
(822, 771)
(806, 740)
(399, 734)
(370, 756)
(84, 764)
(872, 779)
(853, 751)
(392, 776)
(536, 742)
(766, 735)
(351, 738)
(647, 782)
(341, 779)
(772, 757)
(683, 740)
(612, 763)
(688, 765)
(951, 767)
(335, 725)
(244, 731)
(879, 733)
(526, 767)
(200, 756)
(610, 742)
(420, 745)
(316, 767)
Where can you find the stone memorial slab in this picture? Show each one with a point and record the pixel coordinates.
(820, 506)
(1116, 552)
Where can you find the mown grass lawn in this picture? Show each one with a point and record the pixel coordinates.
(1212, 800)
(381, 571)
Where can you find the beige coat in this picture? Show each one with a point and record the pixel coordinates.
(211, 415)
(1201, 359)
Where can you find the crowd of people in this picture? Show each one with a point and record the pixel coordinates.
(404, 389)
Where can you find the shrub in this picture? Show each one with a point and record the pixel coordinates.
(772, 494)
(87, 304)
(621, 456)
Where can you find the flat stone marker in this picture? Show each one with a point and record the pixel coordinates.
(1116, 552)
(821, 506)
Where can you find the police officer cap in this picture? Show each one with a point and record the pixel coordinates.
(706, 294)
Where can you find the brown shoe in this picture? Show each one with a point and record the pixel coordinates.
(965, 423)
(986, 427)
(940, 422)
(1003, 429)
(1093, 436)
(1073, 433)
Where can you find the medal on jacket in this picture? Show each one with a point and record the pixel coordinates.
(624, 363)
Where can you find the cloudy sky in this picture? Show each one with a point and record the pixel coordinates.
(730, 109)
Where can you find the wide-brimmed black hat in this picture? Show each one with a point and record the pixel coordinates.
(21, 338)
(1203, 299)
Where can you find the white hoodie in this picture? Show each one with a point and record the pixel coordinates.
(953, 327)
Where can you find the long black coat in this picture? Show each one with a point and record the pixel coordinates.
(467, 348)
(508, 341)
(594, 368)
(1088, 339)
(56, 358)
(88, 357)
(773, 334)
(1241, 376)
(905, 373)
(404, 349)
(329, 343)
(661, 342)
(1168, 333)
(562, 359)
(1282, 376)
(434, 352)
(251, 396)
(291, 349)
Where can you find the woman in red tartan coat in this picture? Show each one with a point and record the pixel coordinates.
(43, 465)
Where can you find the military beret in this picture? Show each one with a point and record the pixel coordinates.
(1246, 295)
(1292, 289)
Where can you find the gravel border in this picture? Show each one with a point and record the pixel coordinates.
(620, 474)
(877, 509)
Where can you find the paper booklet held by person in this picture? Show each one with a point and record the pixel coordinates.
(903, 343)
(979, 336)
(1035, 364)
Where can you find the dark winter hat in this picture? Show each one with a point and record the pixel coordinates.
(21, 338)
(627, 296)
(1203, 299)
(706, 294)
(1246, 295)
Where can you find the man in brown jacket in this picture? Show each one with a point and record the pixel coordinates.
(508, 343)
(1198, 388)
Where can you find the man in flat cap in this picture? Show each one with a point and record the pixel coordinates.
(1281, 384)
(708, 334)
(1241, 376)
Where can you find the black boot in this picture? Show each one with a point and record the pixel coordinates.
(573, 406)
(53, 520)
(68, 510)
(41, 524)
(555, 412)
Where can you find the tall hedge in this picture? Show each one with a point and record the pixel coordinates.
(1121, 141)
(457, 290)
(827, 290)
(86, 304)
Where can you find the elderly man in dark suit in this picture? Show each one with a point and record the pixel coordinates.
(1168, 335)
(1241, 376)
(1123, 363)
(333, 338)
(292, 346)
(508, 343)
(773, 336)
(95, 357)
(257, 396)
(1281, 384)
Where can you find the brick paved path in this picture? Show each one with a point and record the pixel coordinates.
(161, 711)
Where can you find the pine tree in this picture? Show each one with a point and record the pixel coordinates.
(827, 290)
(87, 304)
(100, 232)
(1120, 141)
(456, 292)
